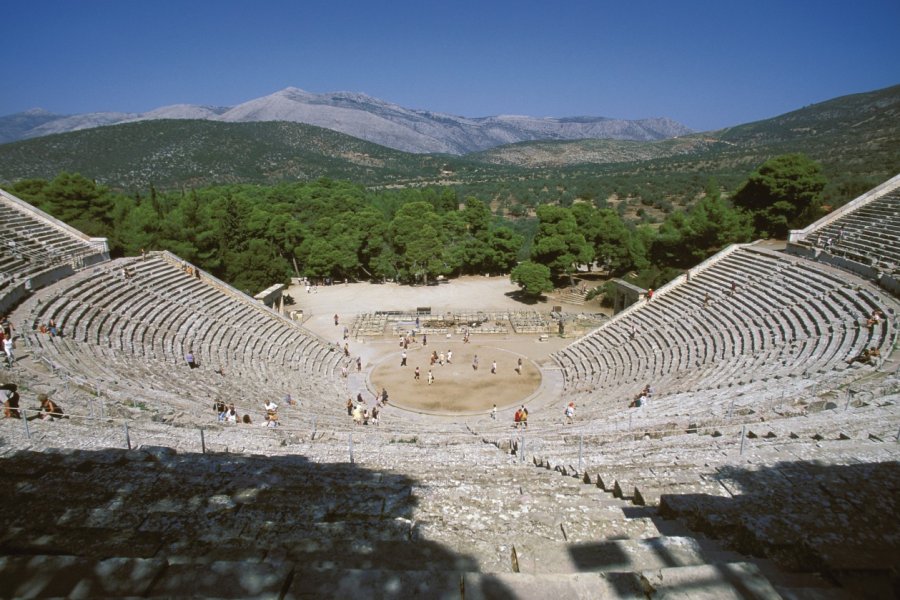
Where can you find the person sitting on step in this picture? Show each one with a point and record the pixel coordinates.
(50, 409)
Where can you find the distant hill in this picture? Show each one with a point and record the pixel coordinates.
(185, 153)
(854, 136)
(860, 132)
(366, 118)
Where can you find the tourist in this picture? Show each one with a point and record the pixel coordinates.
(358, 364)
(403, 358)
(475, 363)
(494, 413)
(335, 320)
(220, 409)
(350, 405)
(231, 415)
(441, 359)
(874, 319)
(10, 397)
(271, 414)
(424, 340)
(519, 366)
(190, 359)
(384, 396)
(449, 356)
(430, 377)
(357, 415)
(570, 413)
(649, 294)
(493, 367)
(416, 374)
(374, 418)
(866, 356)
(8, 350)
(6, 326)
(49, 408)
(524, 417)
(517, 418)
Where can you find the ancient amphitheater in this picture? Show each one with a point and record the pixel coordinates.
(764, 464)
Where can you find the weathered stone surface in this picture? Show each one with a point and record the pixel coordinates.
(722, 581)
(42, 576)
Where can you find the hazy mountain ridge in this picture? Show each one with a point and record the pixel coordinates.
(848, 129)
(852, 136)
(368, 118)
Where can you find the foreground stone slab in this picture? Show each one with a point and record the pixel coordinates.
(580, 586)
(224, 579)
(382, 584)
(723, 581)
(75, 577)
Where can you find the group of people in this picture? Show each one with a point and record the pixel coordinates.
(866, 356)
(435, 358)
(49, 410)
(226, 413)
(521, 417)
(643, 398)
(51, 328)
(190, 270)
(360, 413)
(874, 319)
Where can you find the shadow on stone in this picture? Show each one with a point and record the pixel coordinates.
(839, 520)
(152, 521)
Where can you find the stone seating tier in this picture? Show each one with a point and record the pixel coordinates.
(31, 244)
(788, 319)
(129, 337)
(304, 520)
(870, 232)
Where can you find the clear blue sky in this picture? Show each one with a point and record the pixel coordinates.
(706, 64)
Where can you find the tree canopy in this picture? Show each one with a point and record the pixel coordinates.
(783, 193)
(253, 236)
(533, 278)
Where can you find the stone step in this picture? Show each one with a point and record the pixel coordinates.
(45, 576)
(350, 583)
(721, 581)
(538, 556)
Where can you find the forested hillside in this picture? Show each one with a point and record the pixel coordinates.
(254, 235)
(855, 138)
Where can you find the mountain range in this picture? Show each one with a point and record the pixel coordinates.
(856, 138)
(366, 118)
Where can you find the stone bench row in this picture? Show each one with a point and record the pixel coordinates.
(160, 311)
(810, 321)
